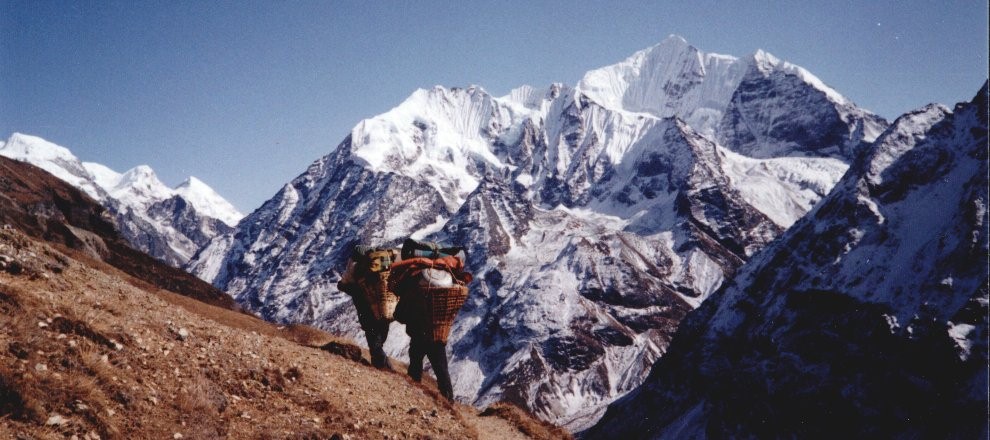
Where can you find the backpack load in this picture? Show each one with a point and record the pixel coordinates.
(371, 275)
(428, 249)
(432, 289)
(443, 303)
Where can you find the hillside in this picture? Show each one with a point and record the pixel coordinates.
(170, 224)
(84, 352)
(45, 207)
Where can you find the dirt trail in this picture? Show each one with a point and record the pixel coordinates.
(495, 428)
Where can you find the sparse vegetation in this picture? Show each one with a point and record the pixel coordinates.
(87, 352)
(525, 422)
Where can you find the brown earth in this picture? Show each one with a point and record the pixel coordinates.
(86, 353)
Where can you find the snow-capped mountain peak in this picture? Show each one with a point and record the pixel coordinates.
(441, 132)
(724, 97)
(207, 201)
(594, 217)
(139, 186)
(55, 159)
(668, 79)
(168, 224)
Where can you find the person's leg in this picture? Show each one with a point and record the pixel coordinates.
(416, 353)
(373, 333)
(437, 352)
(376, 342)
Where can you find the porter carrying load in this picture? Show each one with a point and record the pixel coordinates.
(366, 281)
(432, 286)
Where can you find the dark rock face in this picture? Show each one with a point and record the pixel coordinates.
(868, 318)
(758, 122)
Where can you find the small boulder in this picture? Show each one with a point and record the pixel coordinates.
(56, 420)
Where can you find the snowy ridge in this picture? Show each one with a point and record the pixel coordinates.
(170, 224)
(527, 96)
(880, 291)
(207, 201)
(594, 223)
(782, 188)
(768, 63)
(55, 159)
(669, 79)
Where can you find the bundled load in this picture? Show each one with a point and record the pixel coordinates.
(432, 284)
(428, 249)
(371, 274)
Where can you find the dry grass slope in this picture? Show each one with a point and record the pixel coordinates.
(86, 352)
(525, 422)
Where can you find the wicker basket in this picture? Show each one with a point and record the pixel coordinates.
(443, 303)
(380, 298)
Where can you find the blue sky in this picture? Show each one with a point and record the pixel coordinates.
(245, 94)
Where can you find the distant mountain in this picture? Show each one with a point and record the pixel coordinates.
(867, 318)
(595, 217)
(169, 224)
(45, 207)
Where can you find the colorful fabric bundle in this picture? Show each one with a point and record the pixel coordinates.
(428, 301)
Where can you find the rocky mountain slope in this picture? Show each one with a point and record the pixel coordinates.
(169, 224)
(868, 318)
(595, 216)
(89, 351)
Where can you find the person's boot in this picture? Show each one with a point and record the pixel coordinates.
(379, 360)
(446, 390)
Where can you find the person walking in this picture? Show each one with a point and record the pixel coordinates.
(364, 281)
(432, 287)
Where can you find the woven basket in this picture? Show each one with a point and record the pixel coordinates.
(443, 303)
(381, 299)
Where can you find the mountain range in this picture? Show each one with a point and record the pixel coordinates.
(170, 224)
(595, 217)
(867, 318)
(683, 244)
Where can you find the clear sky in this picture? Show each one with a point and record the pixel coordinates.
(246, 94)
